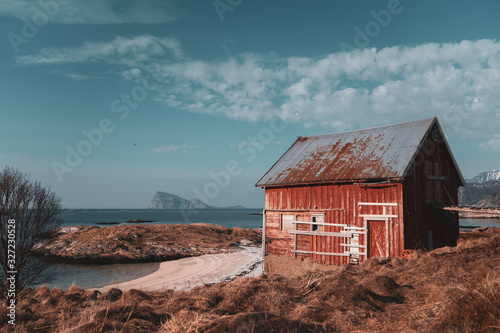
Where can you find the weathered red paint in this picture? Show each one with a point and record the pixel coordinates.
(338, 203)
(431, 178)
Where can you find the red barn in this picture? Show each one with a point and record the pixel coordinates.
(345, 197)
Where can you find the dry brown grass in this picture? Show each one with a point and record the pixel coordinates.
(447, 290)
(143, 243)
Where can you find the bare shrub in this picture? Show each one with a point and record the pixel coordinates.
(35, 210)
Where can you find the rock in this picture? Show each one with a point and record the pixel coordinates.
(65, 230)
(163, 200)
(245, 242)
(139, 221)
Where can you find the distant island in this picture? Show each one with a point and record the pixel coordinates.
(163, 200)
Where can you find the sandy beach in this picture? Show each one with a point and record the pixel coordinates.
(188, 273)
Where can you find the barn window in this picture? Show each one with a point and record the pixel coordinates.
(286, 222)
(317, 218)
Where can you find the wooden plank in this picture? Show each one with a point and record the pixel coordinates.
(320, 233)
(377, 204)
(324, 253)
(355, 228)
(264, 233)
(434, 177)
(470, 209)
(330, 224)
(358, 246)
(320, 223)
(305, 210)
(355, 253)
(374, 216)
(295, 242)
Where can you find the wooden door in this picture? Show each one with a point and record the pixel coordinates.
(377, 239)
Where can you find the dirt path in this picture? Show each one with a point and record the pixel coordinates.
(188, 273)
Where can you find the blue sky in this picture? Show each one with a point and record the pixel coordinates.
(109, 101)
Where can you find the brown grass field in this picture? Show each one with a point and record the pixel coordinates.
(447, 290)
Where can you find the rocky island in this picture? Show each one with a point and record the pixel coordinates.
(163, 200)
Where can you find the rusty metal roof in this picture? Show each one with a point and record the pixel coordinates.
(370, 154)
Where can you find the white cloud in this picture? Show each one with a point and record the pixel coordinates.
(93, 11)
(14, 157)
(252, 144)
(458, 82)
(126, 51)
(172, 149)
(493, 144)
(78, 77)
(121, 50)
(133, 74)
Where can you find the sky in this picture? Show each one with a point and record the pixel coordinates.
(108, 101)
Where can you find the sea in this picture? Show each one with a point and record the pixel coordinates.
(95, 276)
(243, 218)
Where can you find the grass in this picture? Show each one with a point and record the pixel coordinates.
(143, 243)
(447, 290)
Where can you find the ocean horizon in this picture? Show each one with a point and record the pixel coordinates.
(243, 218)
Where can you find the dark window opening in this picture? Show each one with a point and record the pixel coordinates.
(314, 227)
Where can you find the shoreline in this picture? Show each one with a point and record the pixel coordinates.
(188, 273)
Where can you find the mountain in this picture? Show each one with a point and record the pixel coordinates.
(479, 187)
(486, 176)
(492, 200)
(472, 193)
(163, 200)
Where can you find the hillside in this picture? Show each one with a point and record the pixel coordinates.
(446, 290)
(163, 200)
(479, 187)
(492, 200)
(472, 193)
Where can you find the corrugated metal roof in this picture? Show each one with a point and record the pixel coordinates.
(376, 153)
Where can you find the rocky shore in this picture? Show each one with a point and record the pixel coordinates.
(465, 215)
(141, 243)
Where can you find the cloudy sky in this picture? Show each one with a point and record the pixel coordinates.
(109, 101)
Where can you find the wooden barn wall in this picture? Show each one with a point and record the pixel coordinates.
(421, 191)
(339, 203)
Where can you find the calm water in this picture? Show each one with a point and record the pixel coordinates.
(91, 276)
(224, 217)
(94, 276)
(480, 223)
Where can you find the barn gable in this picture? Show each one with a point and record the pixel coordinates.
(381, 153)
